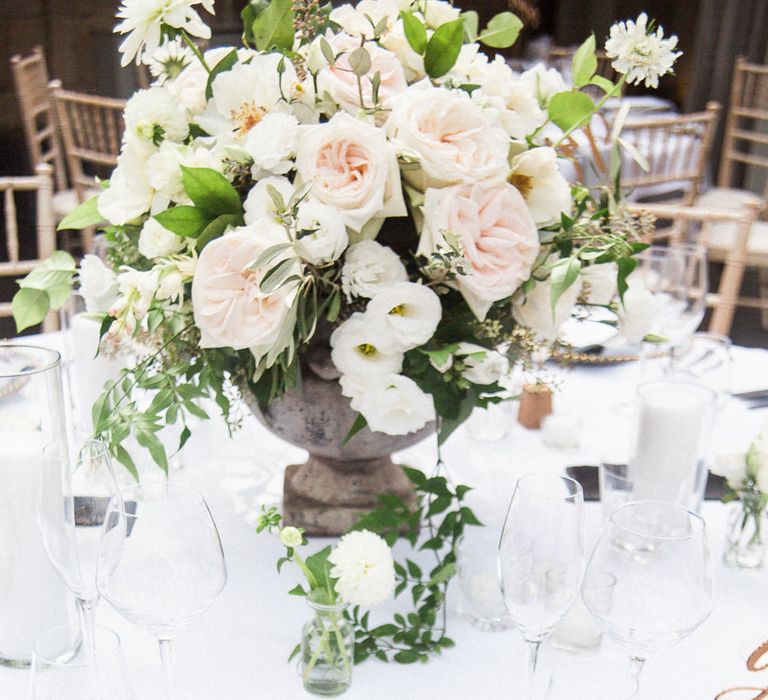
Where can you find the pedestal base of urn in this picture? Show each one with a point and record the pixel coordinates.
(326, 497)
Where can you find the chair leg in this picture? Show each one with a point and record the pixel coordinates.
(762, 283)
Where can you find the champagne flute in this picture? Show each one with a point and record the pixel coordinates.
(541, 557)
(161, 563)
(659, 556)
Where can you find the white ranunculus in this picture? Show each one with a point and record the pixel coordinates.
(259, 205)
(156, 241)
(272, 144)
(731, 466)
(637, 312)
(129, 194)
(395, 405)
(757, 461)
(453, 138)
(546, 192)
(543, 82)
(353, 168)
(363, 567)
(481, 365)
(361, 347)
(98, 284)
(599, 283)
(408, 312)
(153, 116)
(534, 310)
(321, 234)
(369, 268)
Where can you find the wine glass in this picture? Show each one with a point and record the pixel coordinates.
(541, 557)
(659, 556)
(161, 563)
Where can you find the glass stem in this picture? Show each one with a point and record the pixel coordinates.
(636, 664)
(532, 657)
(166, 668)
(86, 612)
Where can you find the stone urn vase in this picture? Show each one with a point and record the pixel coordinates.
(327, 494)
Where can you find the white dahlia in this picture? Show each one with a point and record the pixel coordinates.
(363, 568)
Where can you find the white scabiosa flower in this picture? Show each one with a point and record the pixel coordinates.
(143, 21)
(361, 347)
(408, 312)
(481, 365)
(363, 567)
(370, 268)
(169, 60)
(640, 53)
(537, 177)
(153, 116)
(260, 205)
(156, 241)
(98, 284)
(321, 236)
(395, 405)
(272, 144)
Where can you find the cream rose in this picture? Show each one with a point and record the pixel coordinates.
(230, 310)
(453, 138)
(352, 168)
(496, 232)
(369, 268)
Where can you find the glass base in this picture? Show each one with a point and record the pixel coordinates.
(15, 663)
(487, 624)
(327, 689)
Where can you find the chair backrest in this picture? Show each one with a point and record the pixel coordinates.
(560, 57)
(45, 232)
(746, 127)
(30, 78)
(725, 300)
(92, 130)
(677, 150)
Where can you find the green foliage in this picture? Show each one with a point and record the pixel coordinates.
(227, 63)
(571, 109)
(184, 220)
(584, 63)
(211, 192)
(84, 215)
(47, 287)
(415, 32)
(564, 273)
(272, 25)
(443, 48)
(502, 31)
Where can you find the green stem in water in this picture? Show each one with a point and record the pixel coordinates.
(195, 50)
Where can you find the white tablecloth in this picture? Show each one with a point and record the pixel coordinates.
(238, 649)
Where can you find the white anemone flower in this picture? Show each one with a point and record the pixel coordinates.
(360, 347)
(537, 177)
(640, 53)
(408, 312)
(363, 567)
(143, 21)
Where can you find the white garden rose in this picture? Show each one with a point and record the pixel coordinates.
(599, 283)
(395, 405)
(156, 241)
(259, 205)
(363, 567)
(369, 268)
(408, 312)
(637, 312)
(360, 347)
(439, 12)
(537, 177)
(129, 194)
(355, 19)
(98, 284)
(272, 144)
(321, 234)
(543, 83)
(454, 140)
(396, 42)
(481, 365)
(351, 167)
(153, 116)
(534, 310)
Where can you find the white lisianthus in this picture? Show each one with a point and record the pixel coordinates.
(361, 347)
(143, 21)
(272, 144)
(733, 467)
(129, 194)
(363, 567)
(537, 177)
(156, 241)
(534, 310)
(757, 461)
(369, 268)
(409, 312)
(543, 82)
(259, 205)
(481, 365)
(98, 285)
(599, 283)
(153, 116)
(169, 60)
(639, 53)
(291, 536)
(395, 405)
(636, 313)
(321, 234)
(354, 386)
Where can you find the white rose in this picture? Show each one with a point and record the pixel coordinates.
(546, 192)
(98, 285)
(599, 283)
(481, 365)
(272, 144)
(259, 205)
(407, 312)
(352, 168)
(396, 42)
(454, 139)
(543, 82)
(156, 241)
(360, 347)
(637, 313)
(321, 234)
(757, 461)
(733, 467)
(395, 405)
(534, 310)
(369, 268)
(354, 20)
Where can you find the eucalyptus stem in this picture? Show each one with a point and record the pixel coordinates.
(195, 50)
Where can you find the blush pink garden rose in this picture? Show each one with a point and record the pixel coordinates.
(230, 310)
(496, 232)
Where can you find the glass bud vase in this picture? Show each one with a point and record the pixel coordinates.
(327, 650)
(745, 541)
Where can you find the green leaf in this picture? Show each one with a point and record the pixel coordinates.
(443, 574)
(296, 651)
(360, 61)
(216, 228)
(82, 216)
(443, 48)
(564, 274)
(584, 63)
(406, 656)
(269, 255)
(502, 31)
(471, 25)
(275, 276)
(126, 460)
(273, 27)
(184, 220)
(415, 32)
(571, 109)
(211, 191)
(319, 567)
(30, 306)
(225, 64)
(626, 267)
(152, 443)
(603, 83)
(298, 589)
(357, 426)
(327, 50)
